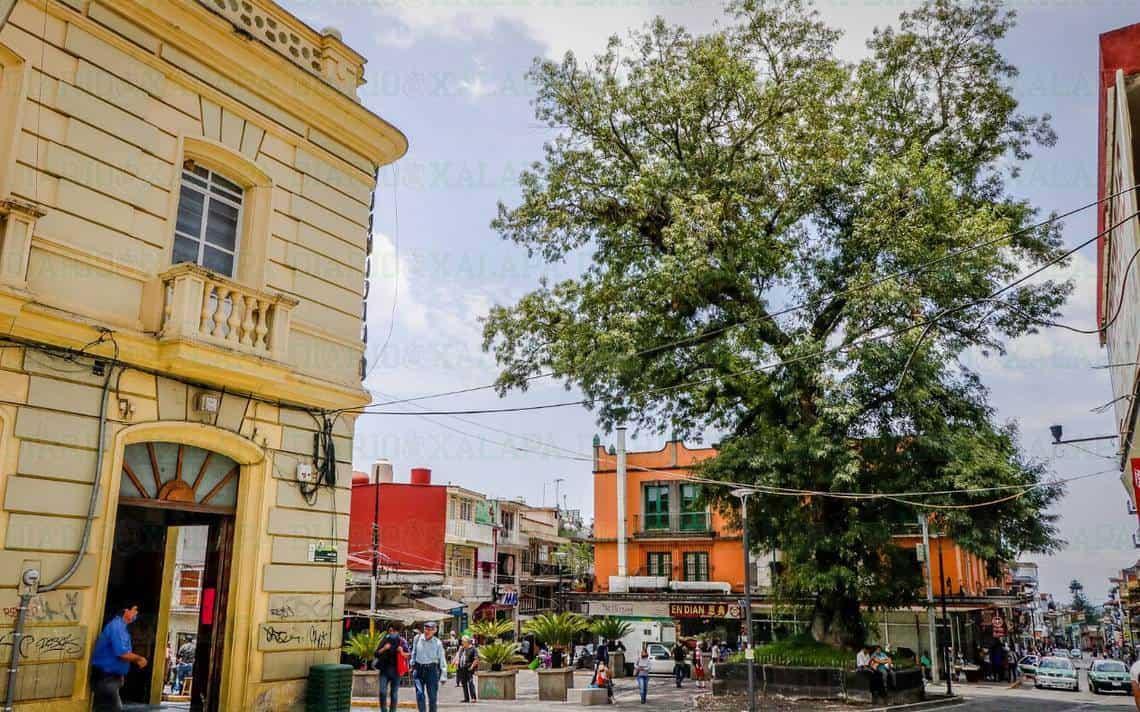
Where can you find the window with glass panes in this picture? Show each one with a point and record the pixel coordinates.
(656, 506)
(209, 219)
(692, 514)
(658, 563)
(696, 566)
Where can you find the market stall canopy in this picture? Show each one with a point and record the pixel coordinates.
(439, 603)
(407, 616)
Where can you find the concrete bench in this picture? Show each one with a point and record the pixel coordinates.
(588, 696)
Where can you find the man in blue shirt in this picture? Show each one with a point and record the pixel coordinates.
(112, 658)
(429, 668)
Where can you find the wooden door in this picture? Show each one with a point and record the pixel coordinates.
(209, 658)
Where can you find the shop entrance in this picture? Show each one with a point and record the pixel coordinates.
(166, 491)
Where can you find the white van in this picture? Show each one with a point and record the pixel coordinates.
(657, 635)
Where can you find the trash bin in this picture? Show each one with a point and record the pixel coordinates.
(329, 689)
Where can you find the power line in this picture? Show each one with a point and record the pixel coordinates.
(783, 362)
(918, 269)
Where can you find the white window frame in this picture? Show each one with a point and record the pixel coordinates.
(208, 195)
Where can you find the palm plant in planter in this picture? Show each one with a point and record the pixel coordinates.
(495, 683)
(499, 654)
(556, 630)
(610, 628)
(363, 645)
(484, 631)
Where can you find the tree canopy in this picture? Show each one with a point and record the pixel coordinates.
(741, 195)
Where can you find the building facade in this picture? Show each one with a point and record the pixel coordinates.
(185, 216)
(1118, 297)
(685, 566)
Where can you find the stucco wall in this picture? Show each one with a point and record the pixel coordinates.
(48, 460)
(100, 103)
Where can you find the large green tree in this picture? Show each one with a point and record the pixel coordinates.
(714, 180)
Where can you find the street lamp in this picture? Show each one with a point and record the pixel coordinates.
(743, 493)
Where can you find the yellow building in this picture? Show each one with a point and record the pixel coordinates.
(185, 209)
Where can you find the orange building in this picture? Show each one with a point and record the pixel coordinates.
(953, 568)
(670, 535)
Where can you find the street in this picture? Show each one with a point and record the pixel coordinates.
(1024, 696)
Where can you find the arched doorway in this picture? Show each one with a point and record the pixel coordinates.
(168, 490)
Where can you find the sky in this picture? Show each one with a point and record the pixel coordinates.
(452, 75)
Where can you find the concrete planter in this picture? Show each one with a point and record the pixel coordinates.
(553, 684)
(818, 683)
(497, 685)
(366, 684)
(617, 664)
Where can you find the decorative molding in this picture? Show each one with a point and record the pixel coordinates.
(321, 53)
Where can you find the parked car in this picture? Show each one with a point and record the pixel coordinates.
(1075, 653)
(1109, 676)
(1028, 665)
(1056, 672)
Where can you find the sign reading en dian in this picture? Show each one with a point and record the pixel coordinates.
(705, 610)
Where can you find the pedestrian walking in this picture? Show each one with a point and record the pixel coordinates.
(466, 663)
(112, 658)
(641, 670)
(429, 668)
(700, 653)
(678, 662)
(391, 664)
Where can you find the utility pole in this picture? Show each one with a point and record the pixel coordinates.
(557, 489)
(948, 663)
(375, 554)
(935, 661)
(743, 493)
(621, 560)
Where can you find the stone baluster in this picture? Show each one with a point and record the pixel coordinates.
(207, 325)
(220, 312)
(262, 327)
(252, 306)
(237, 305)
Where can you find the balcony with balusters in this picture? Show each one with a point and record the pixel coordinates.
(201, 306)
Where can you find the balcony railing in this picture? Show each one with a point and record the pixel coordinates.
(512, 537)
(468, 531)
(673, 524)
(470, 587)
(542, 568)
(203, 306)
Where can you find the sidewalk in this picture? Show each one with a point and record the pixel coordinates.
(663, 695)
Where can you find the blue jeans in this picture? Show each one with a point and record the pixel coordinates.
(643, 686)
(389, 689)
(678, 673)
(427, 686)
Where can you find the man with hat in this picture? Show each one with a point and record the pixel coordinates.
(429, 668)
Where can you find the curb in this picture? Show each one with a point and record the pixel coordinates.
(924, 705)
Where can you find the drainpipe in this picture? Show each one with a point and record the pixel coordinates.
(31, 577)
(621, 483)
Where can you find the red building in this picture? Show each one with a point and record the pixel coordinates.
(411, 520)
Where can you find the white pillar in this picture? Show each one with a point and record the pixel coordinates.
(621, 484)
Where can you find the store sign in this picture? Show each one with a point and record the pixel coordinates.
(628, 609)
(705, 610)
(1136, 483)
(999, 627)
(322, 553)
